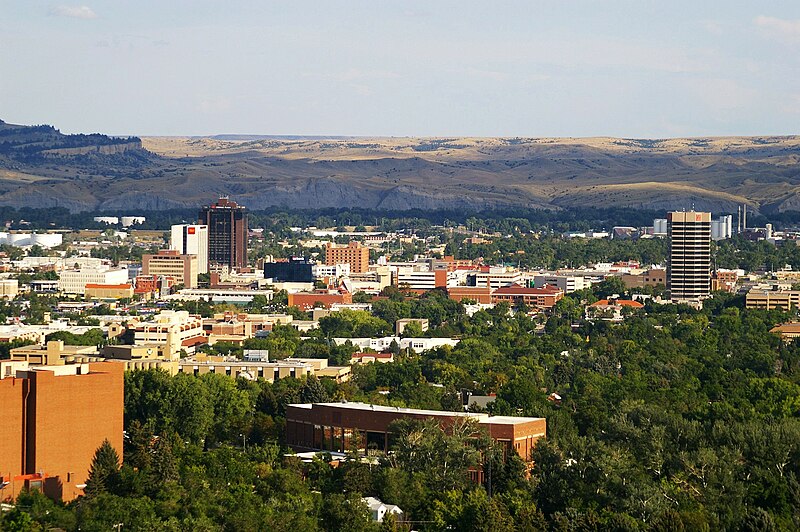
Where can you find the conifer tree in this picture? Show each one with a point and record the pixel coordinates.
(104, 472)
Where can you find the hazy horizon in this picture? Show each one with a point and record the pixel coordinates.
(588, 68)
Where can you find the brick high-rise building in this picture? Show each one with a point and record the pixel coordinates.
(169, 263)
(689, 259)
(227, 233)
(354, 254)
(54, 419)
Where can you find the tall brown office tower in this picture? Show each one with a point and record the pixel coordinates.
(227, 233)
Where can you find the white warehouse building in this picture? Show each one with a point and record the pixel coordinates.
(75, 281)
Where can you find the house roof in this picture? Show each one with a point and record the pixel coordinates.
(793, 327)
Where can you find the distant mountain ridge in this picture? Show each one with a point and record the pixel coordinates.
(40, 167)
(31, 141)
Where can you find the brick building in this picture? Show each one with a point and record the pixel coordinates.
(357, 426)
(54, 419)
(354, 254)
(153, 284)
(652, 277)
(479, 294)
(308, 300)
(170, 263)
(515, 294)
(108, 291)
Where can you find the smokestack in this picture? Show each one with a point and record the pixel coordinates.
(744, 216)
(738, 219)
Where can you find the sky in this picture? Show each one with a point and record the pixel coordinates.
(534, 68)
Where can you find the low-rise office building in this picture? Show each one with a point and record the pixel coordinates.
(109, 291)
(323, 298)
(176, 328)
(543, 298)
(251, 370)
(383, 344)
(75, 281)
(772, 299)
(787, 331)
(360, 427)
(566, 283)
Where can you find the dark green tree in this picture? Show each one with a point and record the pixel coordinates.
(104, 472)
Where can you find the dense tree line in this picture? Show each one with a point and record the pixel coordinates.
(675, 419)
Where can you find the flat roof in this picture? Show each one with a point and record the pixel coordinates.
(480, 417)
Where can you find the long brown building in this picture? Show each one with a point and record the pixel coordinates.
(227, 233)
(54, 419)
(358, 426)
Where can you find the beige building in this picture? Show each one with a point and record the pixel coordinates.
(788, 331)
(9, 288)
(232, 366)
(55, 353)
(354, 254)
(772, 299)
(108, 291)
(654, 277)
(176, 328)
(170, 263)
(321, 368)
(400, 325)
(75, 281)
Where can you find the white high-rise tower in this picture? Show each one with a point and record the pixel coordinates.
(191, 240)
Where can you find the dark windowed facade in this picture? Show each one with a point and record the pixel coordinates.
(294, 270)
(227, 233)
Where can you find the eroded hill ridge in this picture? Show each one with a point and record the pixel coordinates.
(40, 167)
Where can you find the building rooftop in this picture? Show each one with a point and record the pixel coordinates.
(619, 302)
(480, 417)
(517, 289)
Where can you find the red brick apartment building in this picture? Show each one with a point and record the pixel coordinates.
(54, 419)
(358, 426)
(479, 294)
(308, 300)
(544, 297)
(354, 254)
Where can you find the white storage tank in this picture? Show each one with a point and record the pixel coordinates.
(19, 239)
(47, 240)
(128, 221)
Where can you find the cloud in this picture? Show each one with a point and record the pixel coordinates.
(778, 27)
(84, 12)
